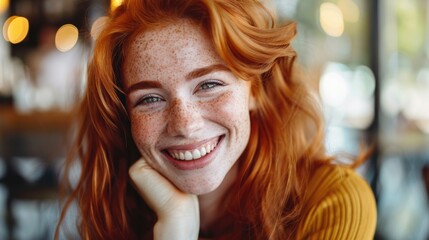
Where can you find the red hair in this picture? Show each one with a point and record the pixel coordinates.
(285, 145)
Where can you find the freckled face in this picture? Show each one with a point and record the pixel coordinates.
(189, 114)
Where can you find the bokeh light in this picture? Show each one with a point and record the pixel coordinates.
(66, 37)
(6, 27)
(333, 86)
(347, 93)
(115, 3)
(4, 5)
(15, 29)
(350, 10)
(331, 19)
(363, 82)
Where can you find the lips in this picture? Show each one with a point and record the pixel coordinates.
(194, 151)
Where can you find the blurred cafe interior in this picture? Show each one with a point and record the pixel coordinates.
(368, 61)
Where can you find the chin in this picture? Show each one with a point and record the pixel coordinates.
(199, 188)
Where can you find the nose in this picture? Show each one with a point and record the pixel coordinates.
(184, 119)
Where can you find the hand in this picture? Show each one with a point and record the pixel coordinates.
(178, 212)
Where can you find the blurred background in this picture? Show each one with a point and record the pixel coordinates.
(367, 59)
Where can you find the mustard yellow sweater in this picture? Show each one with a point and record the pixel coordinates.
(339, 205)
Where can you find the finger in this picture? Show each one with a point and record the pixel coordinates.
(155, 189)
(172, 206)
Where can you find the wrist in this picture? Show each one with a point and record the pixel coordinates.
(176, 227)
(181, 221)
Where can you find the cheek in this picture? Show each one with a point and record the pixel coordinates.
(144, 129)
(231, 109)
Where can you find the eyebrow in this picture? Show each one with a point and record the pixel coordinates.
(199, 72)
(142, 85)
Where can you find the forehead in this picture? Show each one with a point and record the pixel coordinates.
(180, 46)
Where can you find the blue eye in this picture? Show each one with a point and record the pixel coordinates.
(210, 84)
(149, 100)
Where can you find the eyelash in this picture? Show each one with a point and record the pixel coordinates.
(204, 86)
(209, 84)
(150, 99)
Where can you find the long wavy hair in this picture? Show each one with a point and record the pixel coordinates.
(285, 146)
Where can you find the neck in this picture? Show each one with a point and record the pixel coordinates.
(211, 207)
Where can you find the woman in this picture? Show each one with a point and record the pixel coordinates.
(195, 125)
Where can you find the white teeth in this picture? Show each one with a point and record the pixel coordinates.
(207, 149)
(188, 155)
(193, 154)
(196, 154)
(203, 151)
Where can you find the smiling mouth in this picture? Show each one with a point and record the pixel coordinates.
(194, 154)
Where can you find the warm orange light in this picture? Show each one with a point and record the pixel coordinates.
(6, 27)
(4, 5)
(66, 37)
(15, 29)
(115, 3)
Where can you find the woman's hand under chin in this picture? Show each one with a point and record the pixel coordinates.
(177, 212)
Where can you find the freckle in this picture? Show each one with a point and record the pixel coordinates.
(145, 46)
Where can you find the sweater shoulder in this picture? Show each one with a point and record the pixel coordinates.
(338, 204)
